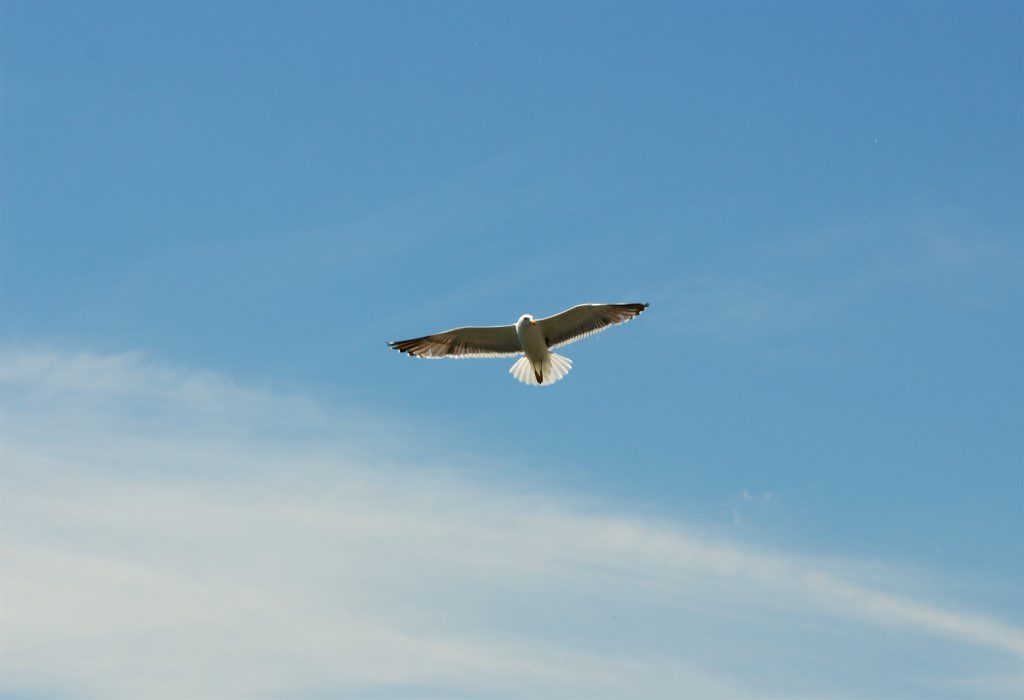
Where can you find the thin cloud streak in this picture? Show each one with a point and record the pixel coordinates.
(820, 278)
(170, 533)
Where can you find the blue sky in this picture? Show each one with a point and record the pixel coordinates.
(822, 203)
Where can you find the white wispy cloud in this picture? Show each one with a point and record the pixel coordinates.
(170, 533)
(822, 277)
(748, 503)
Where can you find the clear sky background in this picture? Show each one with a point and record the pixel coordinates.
(798, 475)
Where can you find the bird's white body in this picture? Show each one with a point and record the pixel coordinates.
(531, 339)
(538, 366)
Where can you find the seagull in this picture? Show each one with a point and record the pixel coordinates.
(531, 339)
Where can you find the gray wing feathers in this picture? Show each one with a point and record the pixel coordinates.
(481, 341)
(586, 319)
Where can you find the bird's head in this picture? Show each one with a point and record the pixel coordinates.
(525, 318)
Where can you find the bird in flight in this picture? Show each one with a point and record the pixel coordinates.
(531, 339)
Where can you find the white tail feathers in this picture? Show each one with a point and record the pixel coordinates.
(551, 370)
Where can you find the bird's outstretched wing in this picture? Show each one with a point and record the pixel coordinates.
(586, 319)
(479, 341)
